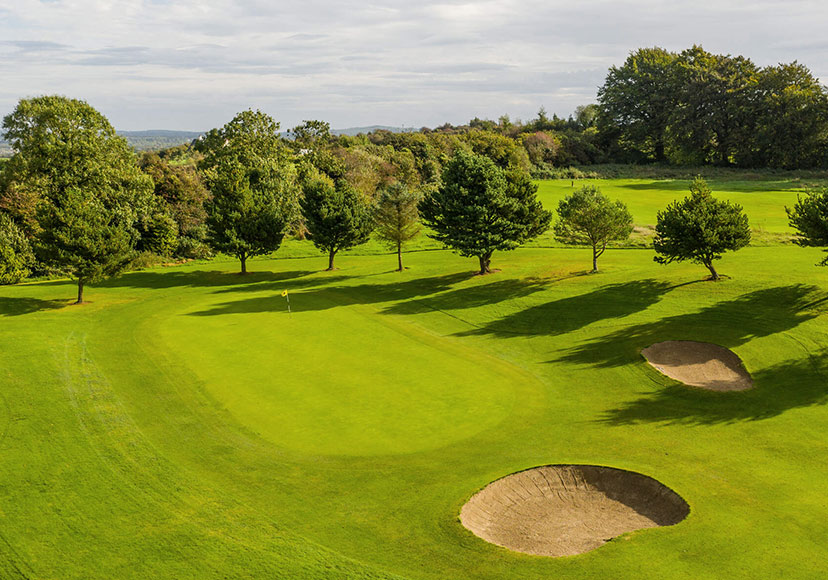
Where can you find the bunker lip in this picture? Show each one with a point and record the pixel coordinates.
(563, 510)
(699, 364)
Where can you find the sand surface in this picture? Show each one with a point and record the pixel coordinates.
(699, 364)
(562, 510)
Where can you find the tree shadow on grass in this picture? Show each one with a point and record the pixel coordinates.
(572, 313)
(789, 385)
(20, 306)
(200, 279)
(328, 297)
(730, 324)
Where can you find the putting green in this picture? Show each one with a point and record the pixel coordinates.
(390, 389)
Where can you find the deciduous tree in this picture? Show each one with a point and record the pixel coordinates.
(397, 218)
(809, 217)
(588, 217)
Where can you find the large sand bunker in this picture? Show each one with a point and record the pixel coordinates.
(562, 510)
(699, 364)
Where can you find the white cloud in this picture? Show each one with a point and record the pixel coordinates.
(192, 65)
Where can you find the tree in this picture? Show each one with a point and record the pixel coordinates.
(397, 218)
(253, 184)
(479, 208)
(638, 99)
(589, 217)
(700, 228)
(15, 252)
(337, 216)
(86, 183)
(809, 217)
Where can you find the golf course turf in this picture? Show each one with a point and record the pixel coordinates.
(183, 425)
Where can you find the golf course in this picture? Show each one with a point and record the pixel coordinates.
(184, 423)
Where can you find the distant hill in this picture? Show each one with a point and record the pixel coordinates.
(157, 139)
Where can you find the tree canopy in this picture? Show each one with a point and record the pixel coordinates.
(700, 228)
(479, 208)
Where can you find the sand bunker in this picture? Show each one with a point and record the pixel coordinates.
(699, 364)
(562, 510)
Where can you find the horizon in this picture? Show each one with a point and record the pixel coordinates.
(190, 66)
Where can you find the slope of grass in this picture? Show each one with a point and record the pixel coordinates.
(184, 425)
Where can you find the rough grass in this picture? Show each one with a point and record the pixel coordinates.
(183, 425)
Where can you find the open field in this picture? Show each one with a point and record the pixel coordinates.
(184, 425)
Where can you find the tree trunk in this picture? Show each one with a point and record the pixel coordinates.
(659, 151)
(485, 260)
(243, 259)
(713, 274)
(595, 255)
(399, 257)
(80, 292)
(331, 255)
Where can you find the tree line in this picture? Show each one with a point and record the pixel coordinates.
(75, 200)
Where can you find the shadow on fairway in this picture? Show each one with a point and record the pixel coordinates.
(729, 324)
(19, 306)
(779, 388)
(568, 314)
(328, 297)
(200, 279)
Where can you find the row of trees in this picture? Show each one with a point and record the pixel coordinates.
(75, 200)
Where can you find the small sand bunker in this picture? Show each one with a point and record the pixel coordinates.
(699, 364)
(562, 510)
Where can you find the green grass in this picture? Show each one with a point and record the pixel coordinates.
(184, 425)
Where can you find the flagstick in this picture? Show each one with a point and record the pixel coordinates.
(287, 296)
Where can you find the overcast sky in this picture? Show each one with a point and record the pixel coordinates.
(152, 64)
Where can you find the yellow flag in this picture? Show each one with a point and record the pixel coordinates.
(284, 292)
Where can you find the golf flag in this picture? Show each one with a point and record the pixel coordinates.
(286, 297)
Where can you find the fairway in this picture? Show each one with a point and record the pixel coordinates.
(184, 425)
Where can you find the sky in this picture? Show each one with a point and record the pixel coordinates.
(191, 65)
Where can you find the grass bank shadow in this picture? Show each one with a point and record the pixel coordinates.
(786, 386)
(729, 324)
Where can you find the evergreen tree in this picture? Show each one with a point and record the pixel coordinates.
(700, 229)
(479, 208)
(337, 216)
(809, 217)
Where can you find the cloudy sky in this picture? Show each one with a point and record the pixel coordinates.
(151, 64)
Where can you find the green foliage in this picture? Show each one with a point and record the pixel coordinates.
(700, 229)
(253, 184)
(588, 217)
(337, 216)
(809, 217)
(182, 194)
(397, 218)
(479, 208)
(15, 253)
(84, 181)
